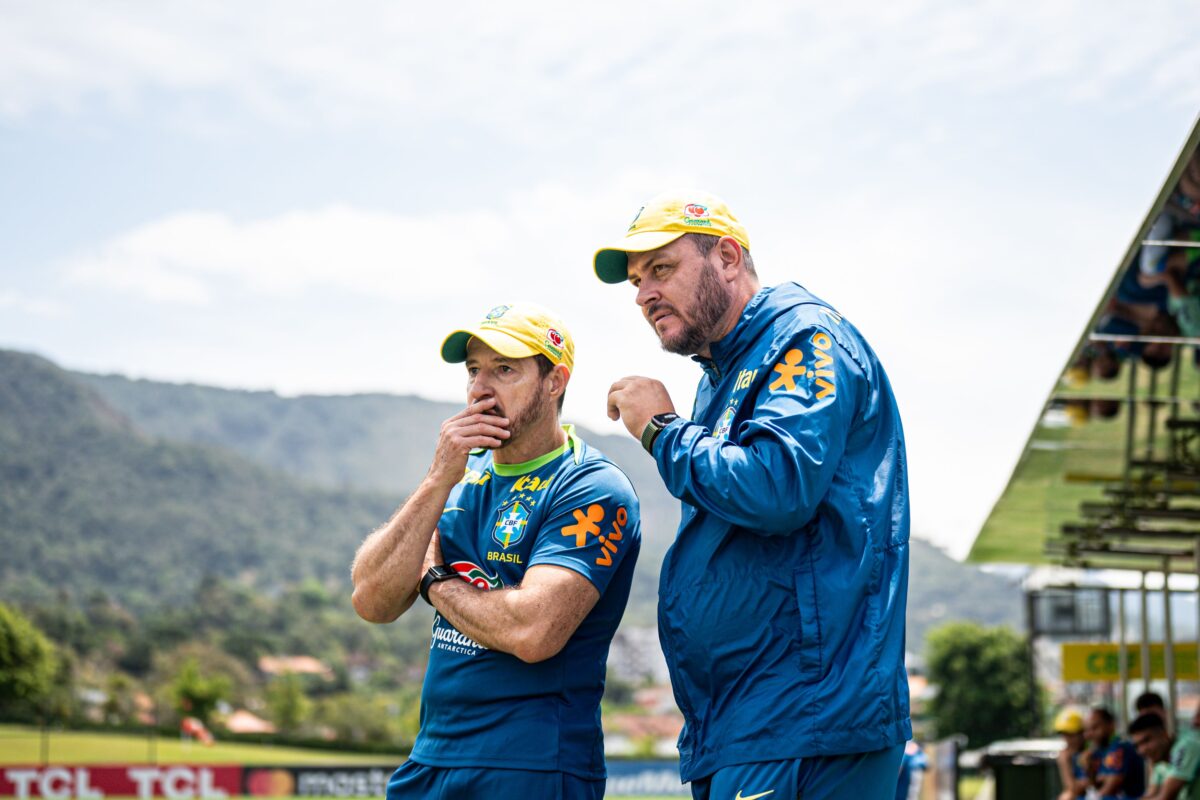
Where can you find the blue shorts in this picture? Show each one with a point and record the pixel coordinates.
(859, 776)
(413, 781)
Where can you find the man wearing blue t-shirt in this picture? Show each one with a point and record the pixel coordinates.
(544, 532)
(1120, 773)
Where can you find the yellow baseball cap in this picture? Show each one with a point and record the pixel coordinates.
(516, 330)
(663, 220)
(1068, 721)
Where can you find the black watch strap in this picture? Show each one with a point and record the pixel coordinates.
(654, 428)
(436, 573)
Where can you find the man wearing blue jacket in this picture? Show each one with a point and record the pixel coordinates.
(781, 600)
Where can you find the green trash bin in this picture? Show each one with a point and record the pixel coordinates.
(1023, 775)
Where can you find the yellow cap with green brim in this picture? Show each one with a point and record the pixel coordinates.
(663, 220)
(1068, 721)
(516, 330)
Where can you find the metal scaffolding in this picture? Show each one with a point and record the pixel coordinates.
(1149, 522)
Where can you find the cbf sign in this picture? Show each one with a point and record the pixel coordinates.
(1088, 661)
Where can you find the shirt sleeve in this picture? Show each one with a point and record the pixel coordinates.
(453, 513)
(1185, 760)
(1186, 311)
(592, 526)
(1159, 774)
(774, 478)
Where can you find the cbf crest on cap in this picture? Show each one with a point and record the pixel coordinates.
(516, 330)
(663, 220)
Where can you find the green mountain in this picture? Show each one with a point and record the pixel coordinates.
(89, 502)
(372, 442)
(150, 491)
(383, 442)
(941, 589)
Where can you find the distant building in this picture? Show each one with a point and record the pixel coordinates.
(242, 721)
(295, 665)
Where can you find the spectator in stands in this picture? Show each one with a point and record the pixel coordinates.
(1078, 411)
(1180, 754)
(1137, 319)
(1104, 408)
(1152, 703)
(1072, 759)
(1183, 290)
(1157, 355)
(1105, 363)
(1121, 773)
(1080, 371)
(1138, 289)
(1119, 319)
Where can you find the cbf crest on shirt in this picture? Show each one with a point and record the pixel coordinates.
(572, 508)
(510, 524)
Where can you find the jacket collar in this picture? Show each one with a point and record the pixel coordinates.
(729, 349)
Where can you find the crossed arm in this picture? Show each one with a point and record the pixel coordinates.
(387, 568)
(532, 621)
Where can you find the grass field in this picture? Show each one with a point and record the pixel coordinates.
(23, 745)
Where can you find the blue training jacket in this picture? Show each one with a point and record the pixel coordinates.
(781, 601)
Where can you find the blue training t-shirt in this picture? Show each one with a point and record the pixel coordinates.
(1120, 757)
(570, 508)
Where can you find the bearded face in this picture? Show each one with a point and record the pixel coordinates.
(682, 296)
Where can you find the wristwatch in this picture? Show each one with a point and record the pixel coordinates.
(654, 428)
(436, 574)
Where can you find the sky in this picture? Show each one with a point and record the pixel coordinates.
(307, 197)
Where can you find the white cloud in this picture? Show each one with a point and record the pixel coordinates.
(195, 257)
(930, 286)
(33, 306)
(528, 67)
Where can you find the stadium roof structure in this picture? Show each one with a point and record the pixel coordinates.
(1110, 475)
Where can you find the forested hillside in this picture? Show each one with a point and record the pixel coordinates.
(369, 442)
(158, 532)
(383, 442)
(141, 491)
(88, 502)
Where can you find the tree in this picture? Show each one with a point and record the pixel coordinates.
(982, 675)
(28, 663)
(194, 671)
(355, 717)
(287, 702)
(197, 695)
